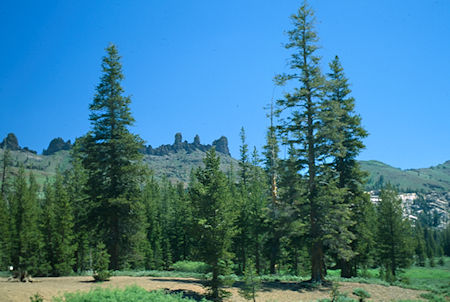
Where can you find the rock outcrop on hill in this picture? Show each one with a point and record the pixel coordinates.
(11, 142)
(57, 144)
(220, 144)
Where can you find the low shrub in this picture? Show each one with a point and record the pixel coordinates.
(36, 298)
(129, 294)
(361, 293)
(191, 267)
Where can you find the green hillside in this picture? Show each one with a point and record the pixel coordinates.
(43, 167)
(177, 160)
(175, 166)
(424, 180)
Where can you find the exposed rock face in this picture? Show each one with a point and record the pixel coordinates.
(197, 140)
(221, 145)
(57, 144)
(178, 138)
(10, 142)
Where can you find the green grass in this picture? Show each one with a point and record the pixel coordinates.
(435, 178)
(191, 267)
(436, 280)
(129, 294)
(154, 273)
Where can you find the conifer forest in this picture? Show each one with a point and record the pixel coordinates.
(306, 213)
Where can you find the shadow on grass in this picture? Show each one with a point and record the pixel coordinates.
(186, 294)
(186, 281)
(92, 281)
(304, 286)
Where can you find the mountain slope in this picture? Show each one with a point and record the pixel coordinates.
(175, 161)
(424, 180)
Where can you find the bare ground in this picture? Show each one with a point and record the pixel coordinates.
(271, 291)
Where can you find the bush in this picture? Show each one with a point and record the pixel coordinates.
(191, 267)
(361, 293)
(129, 294)
(100, 263)
(36, 298)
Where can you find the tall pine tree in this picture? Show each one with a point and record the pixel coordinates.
(394, 236)
(344, 133)
(110, 154)
(301, 125)
(214, 218)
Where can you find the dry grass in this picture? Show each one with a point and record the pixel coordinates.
(271, 291)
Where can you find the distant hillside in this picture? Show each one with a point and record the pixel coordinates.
(425, 180)
(174, 162)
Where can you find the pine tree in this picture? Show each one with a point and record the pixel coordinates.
(26, 249)
(5, 236)
(343, 132)
(420, 244)
(271, 165)
(6, 162)
(110, 154)
(64, 233)
(181, 225)
(252, 283)
(75, 183)
(394, 236)
(152, 200)
(301, 126)
(100, 259)
(242, 239)
(259, 202)
(214, 220)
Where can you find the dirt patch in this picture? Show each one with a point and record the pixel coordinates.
(271, 291)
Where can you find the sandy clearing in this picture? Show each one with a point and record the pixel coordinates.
(271, 291)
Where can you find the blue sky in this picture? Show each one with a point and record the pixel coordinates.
(206, 67)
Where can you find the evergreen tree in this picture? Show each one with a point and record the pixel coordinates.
(290, 222)
(75, 181)
(394, 236)
(301, 125)
(181, 225)
(344, 133)
(259, 201)
(6, 162)
(446, 240)
(242, 239)
(110, 154)
(152, 199)
(47, 227)
(100, 263)
(214, 219)
(26, 249)
(271, 165)
(420, 244)
(5, 236)
(165, 215)
(64, 247)
(252, 283)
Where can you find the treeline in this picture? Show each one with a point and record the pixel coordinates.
(48, 231)
(303, 214)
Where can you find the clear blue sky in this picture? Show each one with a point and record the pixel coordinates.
(206, 67)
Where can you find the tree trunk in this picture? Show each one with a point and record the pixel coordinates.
(317, 264)
(347, 270)
(274, 254)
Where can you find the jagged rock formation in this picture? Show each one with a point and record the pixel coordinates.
(11, 142)
(221, 145)
(57, 144)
